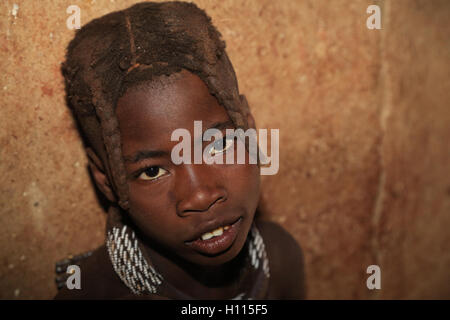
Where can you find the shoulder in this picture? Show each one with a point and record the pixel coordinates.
(98, 279)
(285, 261)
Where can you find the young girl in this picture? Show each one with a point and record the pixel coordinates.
(174, 231)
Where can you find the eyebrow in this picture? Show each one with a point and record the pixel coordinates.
(145, 154)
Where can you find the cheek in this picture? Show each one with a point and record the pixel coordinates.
(244, 184)
(151, 210)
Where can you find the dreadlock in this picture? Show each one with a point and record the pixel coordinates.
(125, 48)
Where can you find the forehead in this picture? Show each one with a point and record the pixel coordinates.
(148, 114)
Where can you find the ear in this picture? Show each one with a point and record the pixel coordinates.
(100, 177)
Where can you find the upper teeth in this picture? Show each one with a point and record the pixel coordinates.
(215, 233)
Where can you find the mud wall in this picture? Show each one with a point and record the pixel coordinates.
(364, 128)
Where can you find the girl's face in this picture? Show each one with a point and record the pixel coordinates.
(175, 205)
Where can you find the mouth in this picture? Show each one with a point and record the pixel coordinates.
(217, 240)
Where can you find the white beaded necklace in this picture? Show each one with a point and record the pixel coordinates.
(133, 269)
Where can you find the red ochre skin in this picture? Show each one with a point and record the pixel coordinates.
(188, 199)
(191, 199)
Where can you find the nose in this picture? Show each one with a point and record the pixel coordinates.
(197, 189)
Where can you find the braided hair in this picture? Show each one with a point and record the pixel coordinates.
(141, 43)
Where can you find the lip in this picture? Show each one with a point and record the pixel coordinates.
(217, 244)
(210, 225)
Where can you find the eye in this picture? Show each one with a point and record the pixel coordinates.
(220, 146)
(152, 173)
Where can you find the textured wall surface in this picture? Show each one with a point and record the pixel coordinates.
(364, 123)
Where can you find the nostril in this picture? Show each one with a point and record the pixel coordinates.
(219, 200)
(200, 203)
